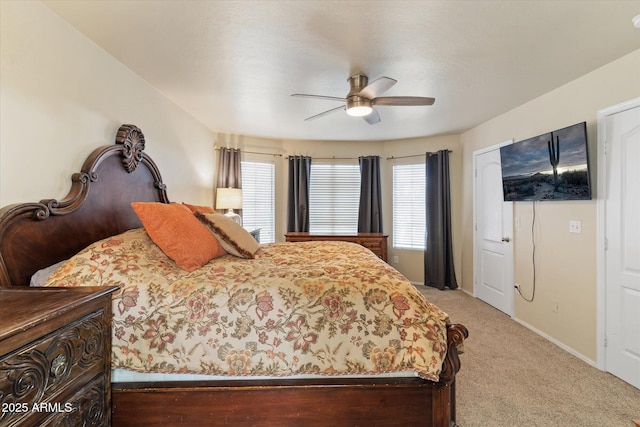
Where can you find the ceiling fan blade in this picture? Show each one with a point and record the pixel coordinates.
(403, 100)
(324, 113)
(377, 87)
(330, 98)
(372, 118)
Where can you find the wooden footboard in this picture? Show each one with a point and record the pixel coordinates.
(319, 402)
(283, 403)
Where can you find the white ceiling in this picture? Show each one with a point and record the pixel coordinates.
(234, 64)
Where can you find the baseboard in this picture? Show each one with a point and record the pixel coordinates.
(556, 342)
(539, 332)
(466, 291)
(459, 288)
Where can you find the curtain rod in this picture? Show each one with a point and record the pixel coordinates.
(254, 152)
(413, 155)
(330, 158)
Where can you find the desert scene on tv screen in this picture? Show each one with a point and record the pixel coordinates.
(552, 166)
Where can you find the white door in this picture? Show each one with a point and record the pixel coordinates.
(493, 234)
(622, 245)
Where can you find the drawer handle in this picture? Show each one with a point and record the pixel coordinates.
(58, 365)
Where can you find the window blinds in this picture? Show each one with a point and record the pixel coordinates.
(258, 199)
(334, 194)
(409, 206)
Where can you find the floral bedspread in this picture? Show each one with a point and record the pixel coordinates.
(327, 308)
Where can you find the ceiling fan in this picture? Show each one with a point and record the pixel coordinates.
(363, 96)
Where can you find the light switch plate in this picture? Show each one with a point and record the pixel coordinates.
(575, 226)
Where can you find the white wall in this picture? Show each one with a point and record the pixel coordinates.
(565, 263)
(61, 96)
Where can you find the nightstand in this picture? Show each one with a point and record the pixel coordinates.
(55, 356)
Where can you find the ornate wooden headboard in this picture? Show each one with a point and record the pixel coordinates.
(36, 235)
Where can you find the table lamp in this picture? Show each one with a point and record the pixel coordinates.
(230, 199)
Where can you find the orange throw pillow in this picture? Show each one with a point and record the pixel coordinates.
(178, 233)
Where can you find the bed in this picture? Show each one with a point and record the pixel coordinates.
(415, 388)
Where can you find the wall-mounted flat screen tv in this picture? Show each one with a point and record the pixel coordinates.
(553, 166)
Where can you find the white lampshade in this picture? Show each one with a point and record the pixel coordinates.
(229, 198)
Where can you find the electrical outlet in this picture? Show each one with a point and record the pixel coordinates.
(395, 259)
(554, 306)
(575, 226)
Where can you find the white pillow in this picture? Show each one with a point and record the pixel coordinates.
(233, 238)
(41, 276)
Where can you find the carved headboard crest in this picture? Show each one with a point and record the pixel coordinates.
(132, 140)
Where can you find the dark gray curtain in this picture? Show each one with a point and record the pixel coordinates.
(298, 197)
(229, 169)
(370, 210)
(438, 254)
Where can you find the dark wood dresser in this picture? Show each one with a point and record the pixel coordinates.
(55, 356)
(376, 242)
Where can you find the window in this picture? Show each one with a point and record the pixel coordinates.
(334, 197)
(258, 199)
(408, 206)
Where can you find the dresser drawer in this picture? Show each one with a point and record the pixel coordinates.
(87, 406)
(377, 246)
(52, 368)
(371, 244)
(376, 251)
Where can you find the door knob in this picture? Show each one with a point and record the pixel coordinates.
(506, 239)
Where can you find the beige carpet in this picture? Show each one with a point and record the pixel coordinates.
(511, 376)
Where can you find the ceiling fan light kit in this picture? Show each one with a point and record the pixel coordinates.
(358, 107)
(363, 96)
